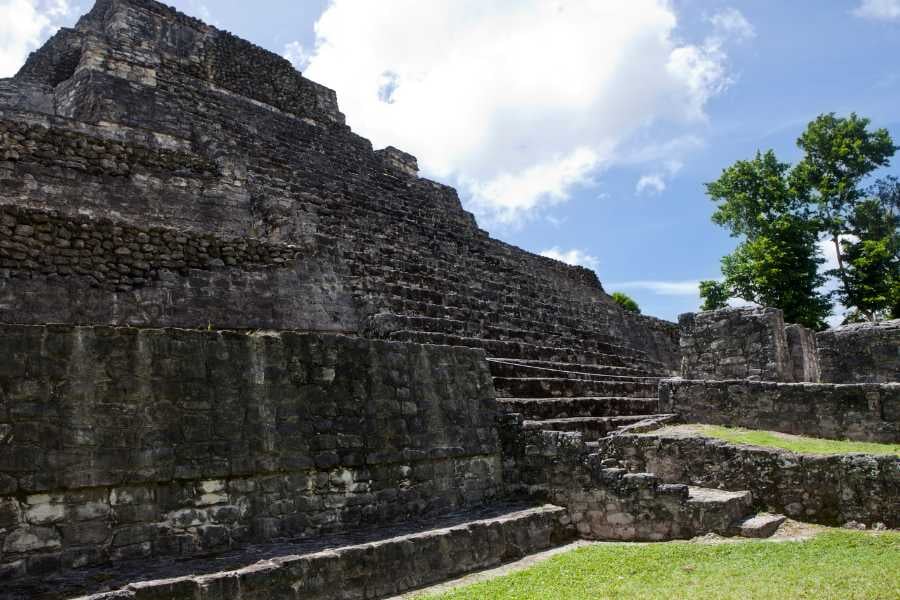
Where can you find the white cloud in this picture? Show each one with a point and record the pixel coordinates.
(739, 303)
(826, 246)
(653, 184)
(24, 25)
(885, 10)
(515, 101)
(572, 257)
(662, 288)
(297, 54)
(557, 222)
(508, 195)
(731, 24)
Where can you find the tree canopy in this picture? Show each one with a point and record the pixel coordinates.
(781, 212)
(626, 302)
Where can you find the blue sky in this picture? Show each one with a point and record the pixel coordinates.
(582, 129)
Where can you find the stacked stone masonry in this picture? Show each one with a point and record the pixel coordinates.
(246, 159)
(863, 412)
(804, 354)
(123, 444)
(156, 172)
(603, 500)
(862, 353)
(746, 343)
(36, 243)
(369, 563)
(833, 490)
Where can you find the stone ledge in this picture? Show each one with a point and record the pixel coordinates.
(822, 489)
(365, 564)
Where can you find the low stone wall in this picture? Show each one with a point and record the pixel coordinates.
(735, 343)
(822, 489)
(864, 412)
(121, 443)
(604, 502)
(861, 353)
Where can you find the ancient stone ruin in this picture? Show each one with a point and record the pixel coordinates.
(245, 355)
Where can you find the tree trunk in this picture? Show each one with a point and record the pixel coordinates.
(842, 275)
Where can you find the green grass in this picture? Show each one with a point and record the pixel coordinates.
(839, 565)
(794, 443)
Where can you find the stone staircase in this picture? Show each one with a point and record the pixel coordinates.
(552, 364)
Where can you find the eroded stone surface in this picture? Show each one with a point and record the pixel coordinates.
(743, 343)
(138, 443)
(862, 353)
(822, 489)
(761, 526)
(862, 412)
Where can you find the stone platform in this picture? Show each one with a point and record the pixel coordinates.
(367, 563)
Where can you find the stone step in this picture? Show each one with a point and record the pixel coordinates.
(535, 309)
(429, 270)
(762, 525)
(383, 325)
(512, 315)
(502, 368)
(591, 428)
(451, 276)
(640, 507)
(563, 408)
(718, 511)
(522, 350)
(491, 290)
(611, 370)
(366, 564)
(556, 387)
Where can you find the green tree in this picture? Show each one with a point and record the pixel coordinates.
(777, 263)
(780, 268)
(872, 255)
(626, 302)
(715, 295)
(838, 154)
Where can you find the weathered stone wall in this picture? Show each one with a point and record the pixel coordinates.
(122, 443)
(803, 353)
(661, 339)
(864, 412)
(175, 39)
(122, 257)
(735, 343)
(821, 489)
(604, 502)
(167, 122)
(861, 353)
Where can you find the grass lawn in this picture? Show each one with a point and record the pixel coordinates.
(794, 443)
(839, 565)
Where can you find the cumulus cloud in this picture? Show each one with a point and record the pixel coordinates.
(884, 10)
(297, 54)
(731, 23)
(651, 184)
(662, 288)
(24, 25)
(572, 257)
(517, 102)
